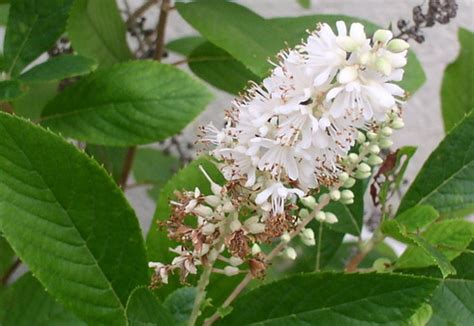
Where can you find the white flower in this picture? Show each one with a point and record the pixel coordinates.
(277, 193)
(161, 271)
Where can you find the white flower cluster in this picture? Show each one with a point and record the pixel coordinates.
(292, 132)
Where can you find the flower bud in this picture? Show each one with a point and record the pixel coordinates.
(347, 201)
(385, 143)
(347, 194)
(371, 135)
(347, 74)
(381, 264)
(366, 58)
(228, 207)
(204, 249)
(353, 157)
(256, 228)
(231, 270)
(397, 45)
(235, 261)
(307, 236)
(285, 237)
(256, 249)
(208, 229)
(320, 216)
(303, 213)
(374, 149)
(374, 160)
(212, 200)
(343, 176)
(309, 201)
(363, 167)
(383, 36)
(382, 65)
(335, 195)
(203, 211)
(349, 183)
(324, 198)
(362, 175)
(360, 137)
(290, 253)
(346, 43)
(235, 225)
(397, 123)
(386, 131)
(331, 218)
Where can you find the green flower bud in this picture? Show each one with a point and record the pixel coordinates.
(335, 195)
(397, 45)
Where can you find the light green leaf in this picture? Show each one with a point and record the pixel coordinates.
(185, 45)
(305, 3)
(333, 299)
(448, 237)
(446, 180)
(97, 31)
(26, 303)
(33, 27)
(154, 167)
(10, 90)
(457, 90)
(34, 99)
(242, 33)
(180, 303)
(144, 309)
(219, 69)
(422, 315)
(131, 103)
(417, 217)
(68, 222)
(57, 68)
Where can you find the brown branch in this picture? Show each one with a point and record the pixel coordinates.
(127, 166)
(140, 11)
(160, 29)
(10, 271)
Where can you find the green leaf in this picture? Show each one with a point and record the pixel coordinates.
(10, 90)
(449, 237)
(7, 256)
(4, 10)
(185, 45)
(180, 303)
(61, 67)
(68, 222)
(453, 301)
(333, 299)
(446, 180)
(33, 27)
(417, 217)
(112, 158)
(97, 31)
(157, 241)
(242, 33)
(422, 315)
(131, 103)
(154, 167)
(457, 88)
(26, 303)
(305, 3)
(143, 309)
(34, 100)
(219, 68)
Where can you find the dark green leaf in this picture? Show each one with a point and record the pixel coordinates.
(112, 158)
(7, 256)
(97, 31)
(458, 84)
(33, 27)
(185, 45)
(144, 309)
(128, 104)
(242, 33)
(333, 299)
(26, 303)
(57, 68)
(4, 10)
(180, 303)
(68, 221)
(446, 179)
(153, 167)
(34, 100)
(10, 90)
(219, 69)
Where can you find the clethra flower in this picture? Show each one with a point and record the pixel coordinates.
(294, 129)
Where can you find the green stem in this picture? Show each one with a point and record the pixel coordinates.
(201, 293)
(318, 244)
